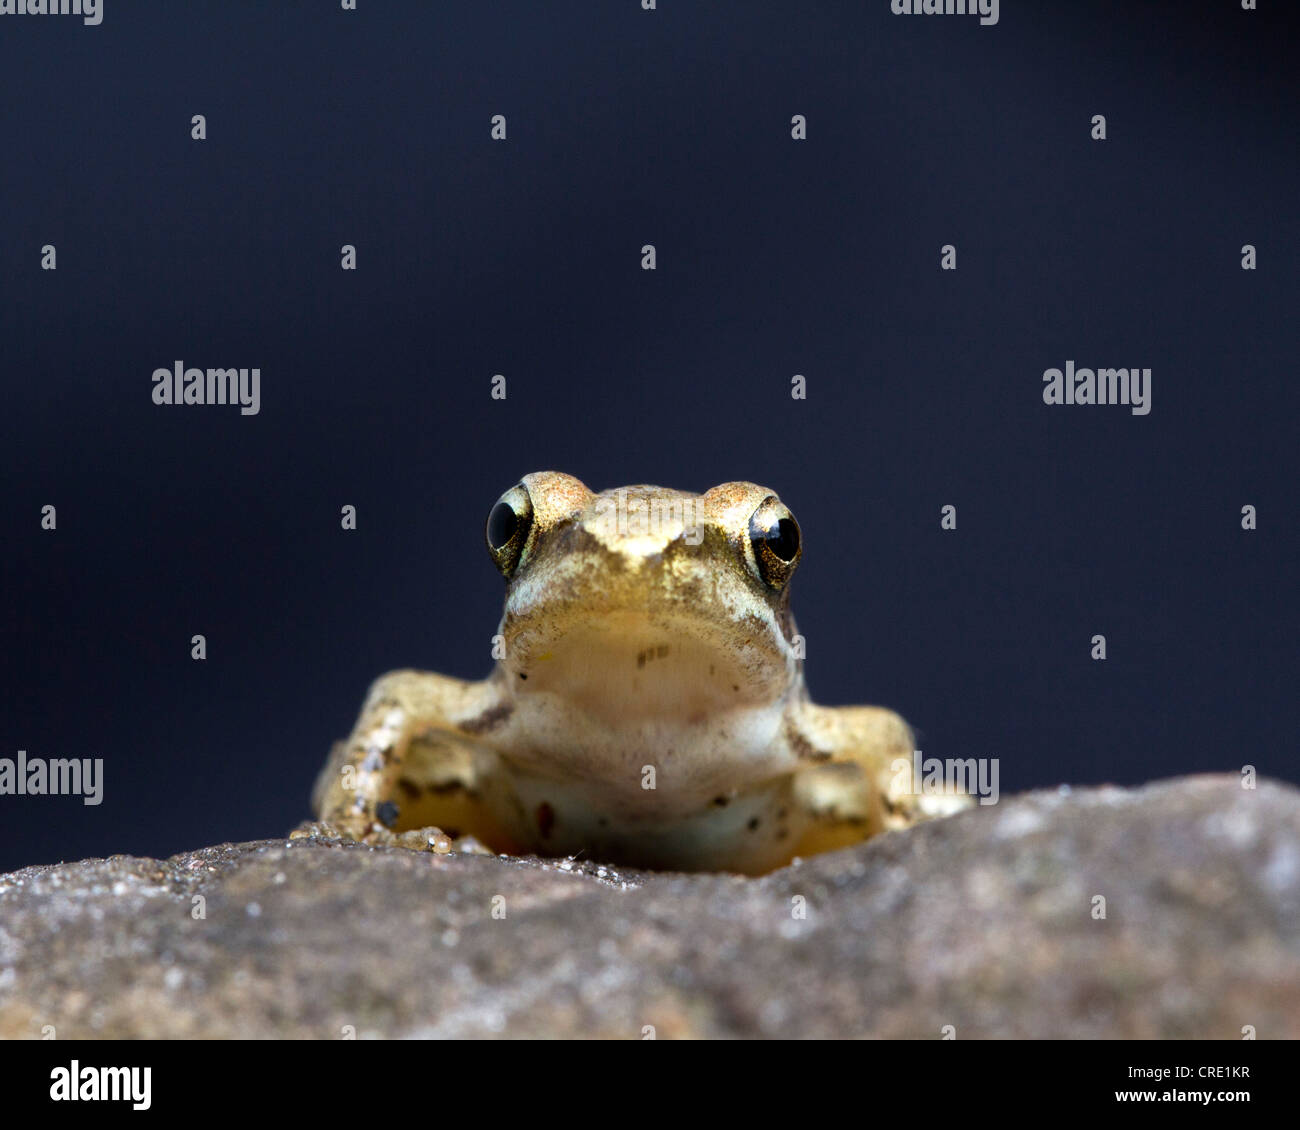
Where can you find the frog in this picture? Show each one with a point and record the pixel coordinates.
(647, 707)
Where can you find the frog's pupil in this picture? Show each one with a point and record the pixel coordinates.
(502, 524)
(783, 539)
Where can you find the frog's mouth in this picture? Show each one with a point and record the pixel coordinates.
(623, 666)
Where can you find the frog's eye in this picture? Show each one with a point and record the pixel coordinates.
(508, 523)
(774, 534)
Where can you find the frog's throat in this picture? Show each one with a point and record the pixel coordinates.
(629, 666)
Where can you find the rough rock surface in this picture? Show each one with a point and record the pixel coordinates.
(984, 922)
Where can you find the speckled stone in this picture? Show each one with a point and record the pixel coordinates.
(984, 922)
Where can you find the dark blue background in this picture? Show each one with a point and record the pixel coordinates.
(627, 127)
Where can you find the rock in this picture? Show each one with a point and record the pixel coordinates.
(984, 921)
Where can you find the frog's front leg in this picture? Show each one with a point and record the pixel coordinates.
(852, 784)
(411, 773)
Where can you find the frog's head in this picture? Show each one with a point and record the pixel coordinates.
(642, 600)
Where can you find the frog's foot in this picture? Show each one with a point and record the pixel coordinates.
(409, 775)
(358, 830)
(863, 784)
(414, 839)
(422, 839)
(905, 807)
(330, 830)
(432, 839)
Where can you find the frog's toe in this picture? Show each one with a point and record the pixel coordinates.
(368, 832)
(423, 839)
(440, 842)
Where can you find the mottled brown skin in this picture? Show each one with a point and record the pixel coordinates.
(648, 706)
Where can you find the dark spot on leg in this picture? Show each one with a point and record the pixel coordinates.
(735, 687)
(489, 719)
(720, 801)
(753, 824)
(803, 748)
(545, 819)
(387, 814)
(522, 675)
